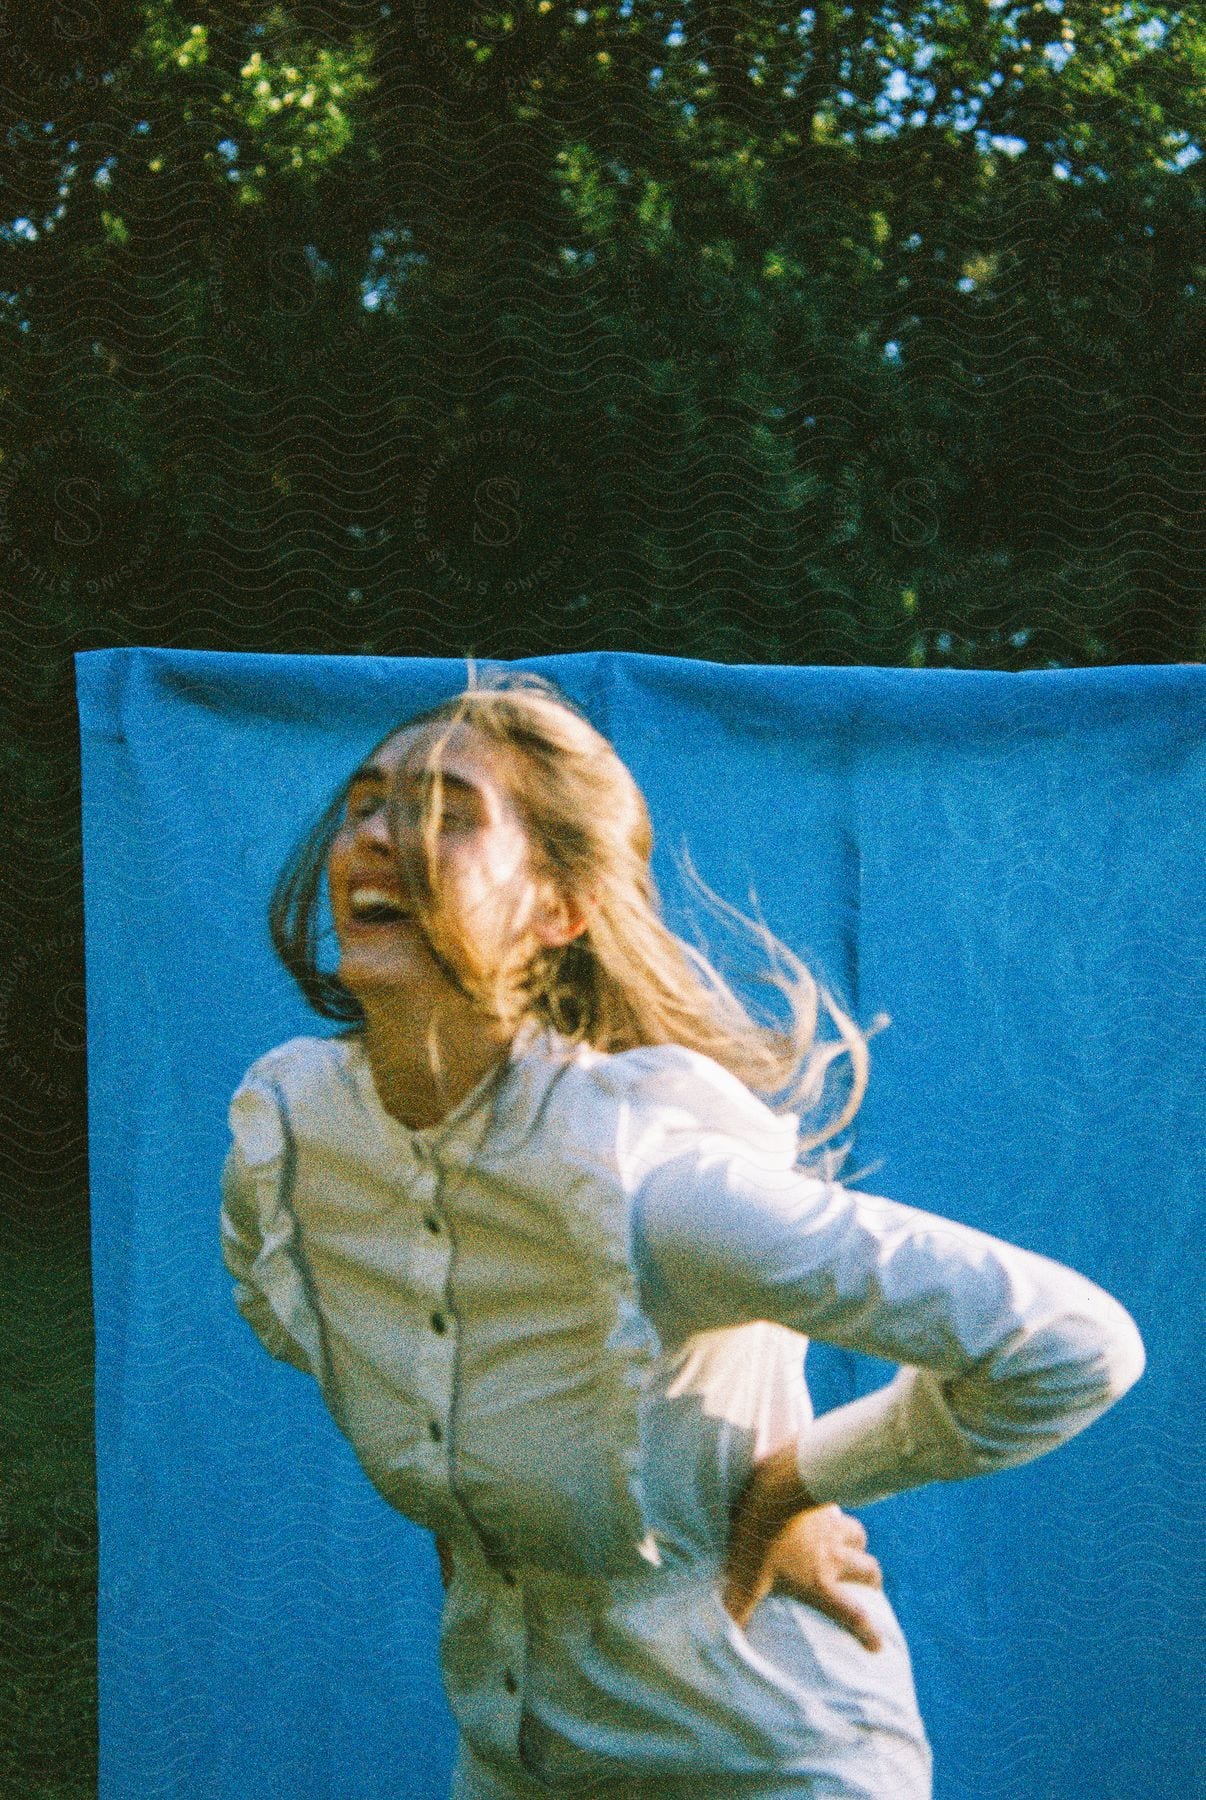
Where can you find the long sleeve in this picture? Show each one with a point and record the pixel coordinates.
(258, 1233)
(1007, 1353)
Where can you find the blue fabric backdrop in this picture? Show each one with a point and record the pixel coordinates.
(1010, 865)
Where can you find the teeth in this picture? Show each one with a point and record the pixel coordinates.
(366, 900)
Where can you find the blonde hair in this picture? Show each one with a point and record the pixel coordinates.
(627, 980)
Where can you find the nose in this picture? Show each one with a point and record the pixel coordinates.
(373, 827)
(403, 850)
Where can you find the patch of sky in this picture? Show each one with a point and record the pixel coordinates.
(391, 265)
(1185, 159)
(228, 149)
(655, 76)
(1059, 55)
(676, 35)
(20, 228)
(892, 351)
(104, 174)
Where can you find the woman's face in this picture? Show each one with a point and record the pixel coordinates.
(487, 886)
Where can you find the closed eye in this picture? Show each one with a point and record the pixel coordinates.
(451, 820)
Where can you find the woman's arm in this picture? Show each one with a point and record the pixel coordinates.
(1006, 1353)
(257, 1232)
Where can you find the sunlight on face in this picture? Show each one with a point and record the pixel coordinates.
(482, 856)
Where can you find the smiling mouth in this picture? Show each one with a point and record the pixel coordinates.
(374, 907)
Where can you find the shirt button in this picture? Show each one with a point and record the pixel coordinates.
(510, 1683)
(439, 1322)
(436, 1431)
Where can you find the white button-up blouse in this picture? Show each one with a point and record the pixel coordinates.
(559, 1327)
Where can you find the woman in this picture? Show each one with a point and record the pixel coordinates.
(553, 1259)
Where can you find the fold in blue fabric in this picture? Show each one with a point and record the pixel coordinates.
(1010, 866)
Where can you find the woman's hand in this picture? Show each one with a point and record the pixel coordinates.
(807, 1551)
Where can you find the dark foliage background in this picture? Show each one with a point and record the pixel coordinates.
(853, 334)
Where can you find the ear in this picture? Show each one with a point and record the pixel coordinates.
(557, 920)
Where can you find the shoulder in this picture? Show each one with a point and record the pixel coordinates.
(661, 1100)
(283, 1080)
(299, 1059)
(676, 1083)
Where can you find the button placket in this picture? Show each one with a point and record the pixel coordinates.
(436, 1372)
(432, 1371)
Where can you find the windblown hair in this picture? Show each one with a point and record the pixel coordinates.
(627, 979)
